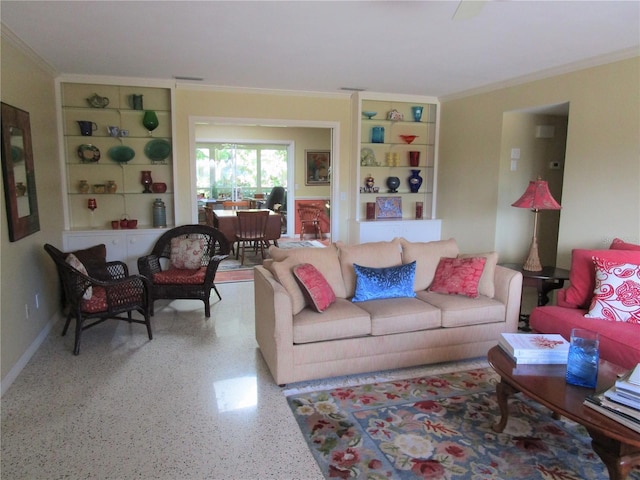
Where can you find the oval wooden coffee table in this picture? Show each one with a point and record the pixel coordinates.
(617, 445)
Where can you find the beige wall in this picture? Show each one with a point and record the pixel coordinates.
(25, 268)
(236, 105)
(601, 185)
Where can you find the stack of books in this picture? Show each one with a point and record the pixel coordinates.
(621, 402)
(534, 348)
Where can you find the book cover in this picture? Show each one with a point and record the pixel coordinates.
(592, 401)
(621, 397)
(631, 381)
(527, 345)
(537, 359)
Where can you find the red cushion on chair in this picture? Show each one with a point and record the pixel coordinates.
(97, 302)
(180, 276)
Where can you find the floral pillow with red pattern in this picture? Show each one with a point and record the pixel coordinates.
(78, 265)
(315, 288)
(458, 276)
(617, 294)
(187, 253)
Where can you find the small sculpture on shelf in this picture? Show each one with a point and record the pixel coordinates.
(369, 183)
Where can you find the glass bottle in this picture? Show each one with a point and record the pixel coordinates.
(150, 121)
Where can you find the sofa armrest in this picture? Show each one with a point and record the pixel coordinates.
(508, 287)
(273, 324)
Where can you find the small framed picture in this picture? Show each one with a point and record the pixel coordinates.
(317, 165)
(388, 207)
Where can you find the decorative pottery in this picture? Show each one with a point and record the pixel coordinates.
(393, 183)
(83, 186)
(21, 189)
(159, 213)
(369, 182)
(112, 186)
(87, 127)
(121, 153)
(88, 153)
(150, 120)
(395, 116)
(377, 135)
(371, 211)
(368, 158)
(157, 150)
(96, 101)
(136, 102)
(417, 113)
(146, 180)
(419, 207)
(414, 159)
(369, 114)
(113, 130)
(158, 187)
(415, 181)
(99, 188)
(408, 138)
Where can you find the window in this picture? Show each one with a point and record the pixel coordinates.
(225, 168)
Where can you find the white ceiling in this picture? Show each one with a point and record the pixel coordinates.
(398, 47)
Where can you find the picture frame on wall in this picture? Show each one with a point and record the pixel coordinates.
(317, 167)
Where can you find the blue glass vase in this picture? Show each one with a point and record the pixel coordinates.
(415, 181)
(377, 135)
(417, 113)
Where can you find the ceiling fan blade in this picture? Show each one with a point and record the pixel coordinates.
(468, 9)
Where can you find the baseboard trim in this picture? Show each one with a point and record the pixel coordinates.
(7, 381)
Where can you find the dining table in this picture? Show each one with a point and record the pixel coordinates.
(227, 222)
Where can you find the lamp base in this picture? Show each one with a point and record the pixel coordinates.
(532, 264)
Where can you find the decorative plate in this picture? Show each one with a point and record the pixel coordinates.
(121, 153)
(88, 153)
(157, 150)
(368, 158)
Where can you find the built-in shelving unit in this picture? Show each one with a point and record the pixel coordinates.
(390, 158)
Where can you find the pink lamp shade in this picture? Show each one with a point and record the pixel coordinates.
(536, 197)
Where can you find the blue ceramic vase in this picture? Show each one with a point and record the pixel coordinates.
(415, 181)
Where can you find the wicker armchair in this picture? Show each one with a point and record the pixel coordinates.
(169, 282)
(93, 300)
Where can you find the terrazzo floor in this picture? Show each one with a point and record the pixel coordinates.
(196, 402)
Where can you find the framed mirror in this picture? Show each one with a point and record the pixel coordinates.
(18, 173)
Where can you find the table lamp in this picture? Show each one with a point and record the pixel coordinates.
(536, 197)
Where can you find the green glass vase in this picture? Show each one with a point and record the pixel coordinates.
(150, 120)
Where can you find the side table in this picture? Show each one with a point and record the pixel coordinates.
(545, 280)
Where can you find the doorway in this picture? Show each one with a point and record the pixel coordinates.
(298, 136)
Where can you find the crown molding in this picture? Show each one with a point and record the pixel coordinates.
(548, 73)
(260, 91)
(8, 35)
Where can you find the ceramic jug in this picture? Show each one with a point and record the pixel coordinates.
(87, 127)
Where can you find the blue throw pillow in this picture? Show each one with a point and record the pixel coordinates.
(388, 282)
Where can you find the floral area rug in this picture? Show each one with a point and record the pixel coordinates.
(439, 427)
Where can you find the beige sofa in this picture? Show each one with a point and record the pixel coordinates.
(299, 343)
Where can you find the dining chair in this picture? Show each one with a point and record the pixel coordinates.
(252, 229)
(92, 300)
(237, 205)
(309, 219)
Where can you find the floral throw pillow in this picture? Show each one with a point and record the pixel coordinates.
(187, 253)
(458, 276)
(386, 282)
(617, 294)
(78, 265)
(315, 288)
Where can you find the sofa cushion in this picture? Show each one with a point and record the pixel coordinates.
(387, 282)
(315, 288)
(324, 259)
(617, 293)
(619, 341)
(458, 276)
(618, 244)
(283, 271)
(95, 261)
(373, 255)
(583, 273)
(459, 310)
(486, 286)
(427, 255)
(342, 319)
(397, 315)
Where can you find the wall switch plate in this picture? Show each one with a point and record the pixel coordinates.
(514, 165)
(515, 153)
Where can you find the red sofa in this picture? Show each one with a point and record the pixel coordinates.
(619, 340)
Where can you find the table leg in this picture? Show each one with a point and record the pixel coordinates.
(503, 390)
(619, 458)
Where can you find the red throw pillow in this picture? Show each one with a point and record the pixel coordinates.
(459, 276)
(583, 273)
(618, 244)
(315, 288)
